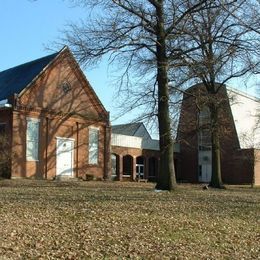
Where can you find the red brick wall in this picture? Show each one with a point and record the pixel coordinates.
(233, 170)
(240, 168)
(47, 91)
(61, 114)
(57, 127)
(134, 153)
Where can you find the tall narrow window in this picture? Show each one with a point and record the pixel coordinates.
(204, 139)
(204, 117)
(93, 145)
(32, 139)
(204, 129)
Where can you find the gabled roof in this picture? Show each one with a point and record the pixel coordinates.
(126, 129)
(133, 135)
(15, 79)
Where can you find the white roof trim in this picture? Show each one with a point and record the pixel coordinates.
(3, 102)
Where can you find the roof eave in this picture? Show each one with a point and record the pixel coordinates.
(42, 71)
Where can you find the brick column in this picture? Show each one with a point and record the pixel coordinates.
(120, 168)
(107, 152)
(134, 169)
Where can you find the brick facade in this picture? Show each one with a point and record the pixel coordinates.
(66, 107)
(150, 160)
(61, 114)
(236, 164)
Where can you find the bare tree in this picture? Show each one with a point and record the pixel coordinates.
(225, 47)
(140, 36)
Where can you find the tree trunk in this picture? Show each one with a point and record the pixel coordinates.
(166, 178)
(216, 180)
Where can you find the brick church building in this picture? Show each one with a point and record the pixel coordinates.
(53, 125)
(239, 137)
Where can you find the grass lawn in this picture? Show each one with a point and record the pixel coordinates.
(104, 220)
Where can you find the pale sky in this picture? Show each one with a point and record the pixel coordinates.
(28, 26)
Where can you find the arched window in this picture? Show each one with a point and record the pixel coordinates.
(127, 166)
(114, 165)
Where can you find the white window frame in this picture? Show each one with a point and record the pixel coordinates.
(93, 147)
(29, 155)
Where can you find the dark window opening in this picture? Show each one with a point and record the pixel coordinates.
(127, 165)
(2, 128)
(66, 87)
(200, 170)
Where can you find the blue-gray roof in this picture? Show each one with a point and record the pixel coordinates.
(126, 129)
(14, 80)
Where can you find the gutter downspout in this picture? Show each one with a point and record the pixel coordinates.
(46, 147)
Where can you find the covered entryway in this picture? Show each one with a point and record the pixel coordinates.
(64, 157)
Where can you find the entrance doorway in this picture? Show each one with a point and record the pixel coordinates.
(140, 167)
(205, 166)
(64, 157)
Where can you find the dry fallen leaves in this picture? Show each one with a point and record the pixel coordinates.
(79, 220)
